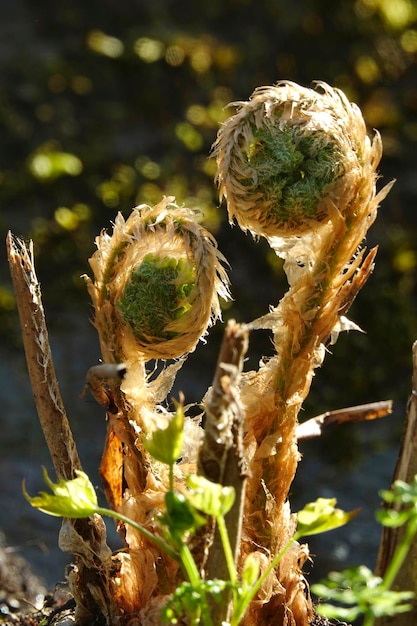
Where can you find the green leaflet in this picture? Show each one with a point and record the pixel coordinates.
(321, 516)
(74, 498)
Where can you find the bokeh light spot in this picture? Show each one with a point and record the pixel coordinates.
(104, 44)
(367, 69)
(409, 41)
(67, 219)
(189, 136)
(174, 55)
(149, 50)
(51, 165)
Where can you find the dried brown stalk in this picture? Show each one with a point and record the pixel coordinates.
(221, 456)
(363, 412)
(405, 470)
(86, 539)
(49, 405)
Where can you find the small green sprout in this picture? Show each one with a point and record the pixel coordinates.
(321, 516)
(216, 500)
(188, 599)
(250, 573)
(165, 444)
(74, 498)
(208, 497)
(77, 498)
(316, 517)
(356, 590)
(180, 517)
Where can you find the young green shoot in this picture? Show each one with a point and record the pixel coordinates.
(316, 517)
(184, 514)
(356, 590)
(165, 444)
(76, 499)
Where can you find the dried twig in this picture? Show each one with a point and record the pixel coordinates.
(49, 405)
(363, 412)
(221, 456)
(84, 538)
(405, 470)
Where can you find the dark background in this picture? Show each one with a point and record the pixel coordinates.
(104, 105)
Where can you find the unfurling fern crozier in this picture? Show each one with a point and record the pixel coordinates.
(157, 282)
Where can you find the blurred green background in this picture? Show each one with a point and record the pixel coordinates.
(108, 104)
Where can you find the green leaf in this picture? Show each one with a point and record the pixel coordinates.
(401, 493)
(69, 498)
(180, 516)
(337, 612)
(391, 603)
(359, 592)
(165, 444)
(250, 571)
(402, 501)
(188, 599)
(208, 497)
(321, 516)
(392, 518)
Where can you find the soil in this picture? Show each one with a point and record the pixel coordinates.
(23, 596)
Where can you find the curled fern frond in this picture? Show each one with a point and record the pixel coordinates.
(157, 283)
(293, 158)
